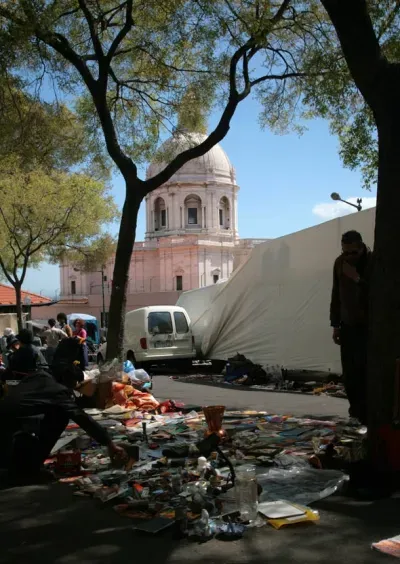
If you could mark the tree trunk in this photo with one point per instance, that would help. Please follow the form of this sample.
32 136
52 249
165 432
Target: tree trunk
18 302
126 240
384 330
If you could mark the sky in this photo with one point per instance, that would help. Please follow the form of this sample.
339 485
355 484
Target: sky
285 184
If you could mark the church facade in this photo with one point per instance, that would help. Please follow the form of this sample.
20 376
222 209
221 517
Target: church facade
191 237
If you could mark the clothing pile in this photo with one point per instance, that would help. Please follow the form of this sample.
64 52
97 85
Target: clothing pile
129 397
241 370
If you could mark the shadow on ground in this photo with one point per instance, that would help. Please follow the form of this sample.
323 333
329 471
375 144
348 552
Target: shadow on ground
49 525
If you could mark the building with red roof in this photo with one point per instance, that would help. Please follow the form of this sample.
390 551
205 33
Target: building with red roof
8 301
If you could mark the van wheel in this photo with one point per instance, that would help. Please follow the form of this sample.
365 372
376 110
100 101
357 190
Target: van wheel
130 355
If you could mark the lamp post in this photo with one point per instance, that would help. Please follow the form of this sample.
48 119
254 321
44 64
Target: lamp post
103 297
336 197
103 313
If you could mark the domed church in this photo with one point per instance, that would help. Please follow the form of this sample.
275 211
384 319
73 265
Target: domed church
191 238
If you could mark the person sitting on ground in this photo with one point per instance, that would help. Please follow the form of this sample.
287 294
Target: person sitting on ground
63 324
27 358
53 336
34 414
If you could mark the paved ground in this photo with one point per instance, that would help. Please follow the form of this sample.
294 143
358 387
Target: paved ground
48 525
273 402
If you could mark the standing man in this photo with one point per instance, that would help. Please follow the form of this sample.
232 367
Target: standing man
53 336
63 324
349 318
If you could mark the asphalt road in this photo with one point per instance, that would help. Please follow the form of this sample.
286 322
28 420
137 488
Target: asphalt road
237 397
47 525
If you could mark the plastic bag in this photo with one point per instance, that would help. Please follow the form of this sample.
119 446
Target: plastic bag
110 371
139 377
300 485
128 367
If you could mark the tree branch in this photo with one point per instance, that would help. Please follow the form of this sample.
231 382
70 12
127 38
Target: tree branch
98 49
123 32
279 14
360 47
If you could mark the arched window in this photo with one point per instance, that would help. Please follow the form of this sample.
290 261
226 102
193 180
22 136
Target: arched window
160 214
224 213
192 211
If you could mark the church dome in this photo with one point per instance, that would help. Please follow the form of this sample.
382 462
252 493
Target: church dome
214 166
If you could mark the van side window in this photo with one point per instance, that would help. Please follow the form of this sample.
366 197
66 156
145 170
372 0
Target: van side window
160 322
181 323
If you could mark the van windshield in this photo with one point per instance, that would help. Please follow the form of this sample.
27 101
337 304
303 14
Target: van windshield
160 323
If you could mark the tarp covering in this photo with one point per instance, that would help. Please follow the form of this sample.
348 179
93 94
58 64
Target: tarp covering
196 302
275 308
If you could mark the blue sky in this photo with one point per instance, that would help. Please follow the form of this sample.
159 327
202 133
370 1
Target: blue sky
285 183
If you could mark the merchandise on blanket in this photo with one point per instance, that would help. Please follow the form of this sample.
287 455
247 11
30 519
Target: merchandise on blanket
127 396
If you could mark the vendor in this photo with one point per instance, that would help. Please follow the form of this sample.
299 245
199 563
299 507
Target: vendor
34 414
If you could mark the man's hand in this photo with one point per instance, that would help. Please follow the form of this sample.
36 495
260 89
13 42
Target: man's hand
117 452
350 271
336 336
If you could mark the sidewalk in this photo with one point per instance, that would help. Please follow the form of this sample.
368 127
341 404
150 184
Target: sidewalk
48 525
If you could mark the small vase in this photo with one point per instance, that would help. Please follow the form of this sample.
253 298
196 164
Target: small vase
213 415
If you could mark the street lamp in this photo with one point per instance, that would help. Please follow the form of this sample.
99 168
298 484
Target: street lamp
336 197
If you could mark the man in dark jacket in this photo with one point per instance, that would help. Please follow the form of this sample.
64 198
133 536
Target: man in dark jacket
27 358
349 317
34 414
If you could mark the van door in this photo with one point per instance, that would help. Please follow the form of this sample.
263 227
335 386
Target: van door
161 334
183 334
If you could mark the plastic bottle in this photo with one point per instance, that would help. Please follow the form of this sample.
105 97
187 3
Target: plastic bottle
202 466
246 492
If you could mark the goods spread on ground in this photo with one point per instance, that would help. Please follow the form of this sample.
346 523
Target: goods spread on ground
178 473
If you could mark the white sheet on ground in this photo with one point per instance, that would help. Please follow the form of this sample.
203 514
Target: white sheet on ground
275 308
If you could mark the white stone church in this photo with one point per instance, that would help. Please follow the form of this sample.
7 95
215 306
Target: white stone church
191 238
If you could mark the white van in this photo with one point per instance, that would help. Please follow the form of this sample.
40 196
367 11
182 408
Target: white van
157 334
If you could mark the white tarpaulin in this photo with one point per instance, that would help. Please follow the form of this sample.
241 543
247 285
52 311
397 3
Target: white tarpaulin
275 308
196 302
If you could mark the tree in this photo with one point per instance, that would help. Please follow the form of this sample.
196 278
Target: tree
43 213
48 135
368 87
131 65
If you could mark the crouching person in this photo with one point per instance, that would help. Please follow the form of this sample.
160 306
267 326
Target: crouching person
33 415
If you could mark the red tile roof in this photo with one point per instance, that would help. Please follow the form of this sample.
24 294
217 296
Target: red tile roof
7 296
72 301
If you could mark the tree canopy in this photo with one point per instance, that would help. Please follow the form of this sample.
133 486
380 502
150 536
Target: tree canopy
43 213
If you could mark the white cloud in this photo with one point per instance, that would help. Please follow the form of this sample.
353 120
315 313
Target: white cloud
331 210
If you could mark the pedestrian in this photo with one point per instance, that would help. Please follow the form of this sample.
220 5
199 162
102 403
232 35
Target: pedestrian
53 336
12 345
8 332
63 324
349 318
79 329
27 358
34 414
80 332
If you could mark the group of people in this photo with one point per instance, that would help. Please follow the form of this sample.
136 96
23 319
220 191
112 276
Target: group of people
23 353
35 412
